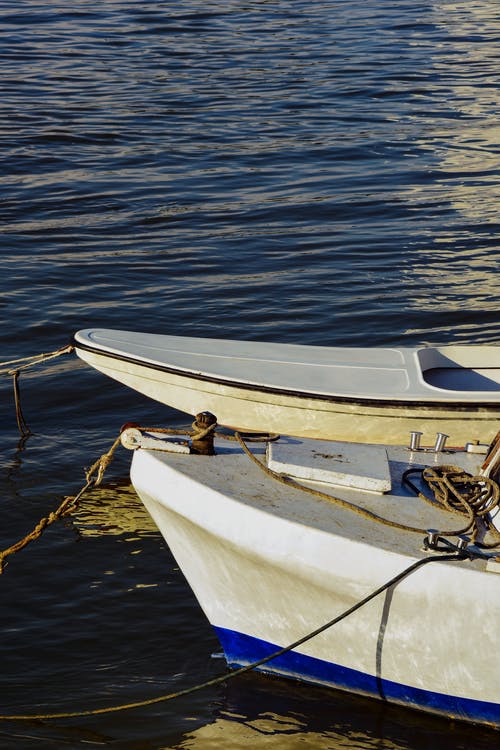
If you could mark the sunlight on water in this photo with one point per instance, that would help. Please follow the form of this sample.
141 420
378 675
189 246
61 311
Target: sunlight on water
320 173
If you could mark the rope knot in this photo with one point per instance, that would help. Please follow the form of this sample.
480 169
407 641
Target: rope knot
202 437
473 496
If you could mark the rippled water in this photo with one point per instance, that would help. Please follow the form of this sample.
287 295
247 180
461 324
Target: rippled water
313 172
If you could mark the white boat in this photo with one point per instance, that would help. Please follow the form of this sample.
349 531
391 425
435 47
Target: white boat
271 562
310 391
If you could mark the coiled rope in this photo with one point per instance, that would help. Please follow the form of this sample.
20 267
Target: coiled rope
236 673
459 492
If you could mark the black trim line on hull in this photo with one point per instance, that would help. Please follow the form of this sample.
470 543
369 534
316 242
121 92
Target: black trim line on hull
444 405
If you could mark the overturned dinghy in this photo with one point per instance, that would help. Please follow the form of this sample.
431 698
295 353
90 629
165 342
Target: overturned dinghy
357 394
276 539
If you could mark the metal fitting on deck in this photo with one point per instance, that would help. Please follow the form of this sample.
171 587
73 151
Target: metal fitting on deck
415 441
441 439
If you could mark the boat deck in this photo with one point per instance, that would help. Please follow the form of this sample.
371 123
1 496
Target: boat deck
237 486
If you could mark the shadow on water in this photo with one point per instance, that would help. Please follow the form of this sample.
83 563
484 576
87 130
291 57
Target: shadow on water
273 713
257 711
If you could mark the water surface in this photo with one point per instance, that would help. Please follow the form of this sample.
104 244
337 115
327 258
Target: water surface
322 172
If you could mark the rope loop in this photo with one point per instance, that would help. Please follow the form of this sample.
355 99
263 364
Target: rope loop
200 434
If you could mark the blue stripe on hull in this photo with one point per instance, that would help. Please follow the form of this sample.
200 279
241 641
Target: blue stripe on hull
241 650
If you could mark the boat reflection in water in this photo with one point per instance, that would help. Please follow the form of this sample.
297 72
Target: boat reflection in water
113 509
266 712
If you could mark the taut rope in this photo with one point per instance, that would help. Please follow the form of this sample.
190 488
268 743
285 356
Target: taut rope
94 477
34 360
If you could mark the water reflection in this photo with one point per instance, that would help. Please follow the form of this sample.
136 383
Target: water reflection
271 713
113 509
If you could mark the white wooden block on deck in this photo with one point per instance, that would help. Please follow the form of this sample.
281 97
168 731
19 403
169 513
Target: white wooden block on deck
364 467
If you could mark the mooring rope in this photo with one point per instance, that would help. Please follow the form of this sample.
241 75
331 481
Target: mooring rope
32 361
364 512
94 477
242 670
68 504
21 422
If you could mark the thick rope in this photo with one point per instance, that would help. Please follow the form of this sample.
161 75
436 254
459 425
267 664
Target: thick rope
364 512
459 492
67 505
200 433
456 489
34 360
236 673
94 477
99 467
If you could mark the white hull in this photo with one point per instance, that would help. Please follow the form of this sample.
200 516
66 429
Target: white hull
270 564
361 395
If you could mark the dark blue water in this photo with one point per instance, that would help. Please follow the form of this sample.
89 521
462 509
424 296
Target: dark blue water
312 172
